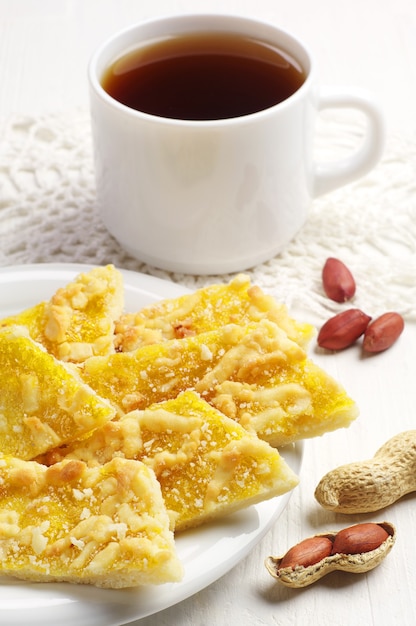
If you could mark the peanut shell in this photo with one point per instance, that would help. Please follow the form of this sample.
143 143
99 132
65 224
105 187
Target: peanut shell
360 563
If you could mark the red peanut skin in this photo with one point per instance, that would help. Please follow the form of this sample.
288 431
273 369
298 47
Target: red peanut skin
307 552
383 332
359 538
343 329
337 280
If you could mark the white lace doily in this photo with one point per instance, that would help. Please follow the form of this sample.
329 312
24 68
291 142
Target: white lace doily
48 214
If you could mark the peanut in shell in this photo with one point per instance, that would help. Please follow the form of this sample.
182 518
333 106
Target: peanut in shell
297 576
371 485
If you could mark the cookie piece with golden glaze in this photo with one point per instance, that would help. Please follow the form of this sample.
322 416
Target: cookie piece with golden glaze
105 526
43 402
79 320
208 308
254 374
206 463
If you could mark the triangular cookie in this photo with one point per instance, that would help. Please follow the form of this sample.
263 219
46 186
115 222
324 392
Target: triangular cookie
78 321
105 526
43 402
209 308
207 465
254 374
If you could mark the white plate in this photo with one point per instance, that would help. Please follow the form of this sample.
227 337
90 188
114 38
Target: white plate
207 553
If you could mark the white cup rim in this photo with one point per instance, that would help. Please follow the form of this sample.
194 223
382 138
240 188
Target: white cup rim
114 41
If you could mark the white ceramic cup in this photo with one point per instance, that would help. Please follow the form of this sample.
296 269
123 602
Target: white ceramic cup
220 196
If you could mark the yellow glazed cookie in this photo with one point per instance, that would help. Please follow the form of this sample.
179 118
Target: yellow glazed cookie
106 526
79 320
209 308
207 464
43 402
253 374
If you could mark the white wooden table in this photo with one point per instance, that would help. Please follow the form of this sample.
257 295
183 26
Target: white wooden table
44 49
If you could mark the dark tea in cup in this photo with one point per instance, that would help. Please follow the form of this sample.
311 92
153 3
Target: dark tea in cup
203 76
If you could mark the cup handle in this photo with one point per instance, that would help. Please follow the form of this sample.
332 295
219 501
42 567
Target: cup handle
329 176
